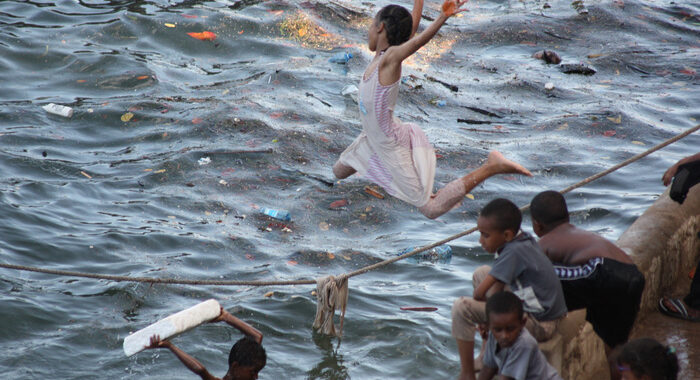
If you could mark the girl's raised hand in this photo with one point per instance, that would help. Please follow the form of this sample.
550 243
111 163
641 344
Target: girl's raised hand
452 7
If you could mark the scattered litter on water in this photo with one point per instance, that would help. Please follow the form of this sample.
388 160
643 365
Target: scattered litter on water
341 58
548 56
418 308
616 120
277 214
373 192
58 109
579 7
441 254
127 116
203 36
338 204
549 86
577 68
204 161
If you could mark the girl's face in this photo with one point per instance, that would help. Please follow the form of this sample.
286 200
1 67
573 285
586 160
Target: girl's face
372 35
627 373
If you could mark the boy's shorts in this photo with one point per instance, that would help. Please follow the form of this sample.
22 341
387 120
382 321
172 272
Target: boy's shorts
609 290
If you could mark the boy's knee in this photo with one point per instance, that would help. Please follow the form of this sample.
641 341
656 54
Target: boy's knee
480 274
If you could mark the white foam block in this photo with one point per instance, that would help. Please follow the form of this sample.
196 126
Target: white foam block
172 325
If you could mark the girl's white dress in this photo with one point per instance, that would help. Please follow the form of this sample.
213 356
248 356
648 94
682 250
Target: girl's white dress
397 156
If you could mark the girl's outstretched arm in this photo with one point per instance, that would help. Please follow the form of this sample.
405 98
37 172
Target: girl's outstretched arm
416 14
391 64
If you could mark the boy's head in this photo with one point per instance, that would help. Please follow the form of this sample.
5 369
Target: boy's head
498 223
398 24
505 316
246 359
548 210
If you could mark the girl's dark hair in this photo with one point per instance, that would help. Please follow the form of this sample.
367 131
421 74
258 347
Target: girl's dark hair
398 23
646 356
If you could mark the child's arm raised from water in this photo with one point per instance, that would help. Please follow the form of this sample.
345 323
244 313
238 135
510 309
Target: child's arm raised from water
240 325
193 364
416 14
391 64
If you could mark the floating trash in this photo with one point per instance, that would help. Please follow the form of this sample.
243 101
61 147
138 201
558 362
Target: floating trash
441 254
204 161
277 214
341 58
58 109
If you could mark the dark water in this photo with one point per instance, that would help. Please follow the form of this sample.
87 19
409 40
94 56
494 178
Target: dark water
98 194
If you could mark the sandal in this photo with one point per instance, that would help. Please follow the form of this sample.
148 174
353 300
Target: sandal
680 309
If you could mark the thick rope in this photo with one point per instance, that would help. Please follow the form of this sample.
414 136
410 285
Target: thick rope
351 274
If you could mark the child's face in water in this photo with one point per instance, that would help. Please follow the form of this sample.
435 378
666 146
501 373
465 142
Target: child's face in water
506 328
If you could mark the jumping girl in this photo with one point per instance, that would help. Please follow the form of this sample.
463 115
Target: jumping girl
395 155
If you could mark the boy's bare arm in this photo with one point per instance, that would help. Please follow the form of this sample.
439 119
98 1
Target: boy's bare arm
486 286
416 14
487 373
193 364
243 327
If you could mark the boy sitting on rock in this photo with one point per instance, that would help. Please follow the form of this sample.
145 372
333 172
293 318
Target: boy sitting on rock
511 352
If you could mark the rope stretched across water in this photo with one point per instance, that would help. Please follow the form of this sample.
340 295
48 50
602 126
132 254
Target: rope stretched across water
360 271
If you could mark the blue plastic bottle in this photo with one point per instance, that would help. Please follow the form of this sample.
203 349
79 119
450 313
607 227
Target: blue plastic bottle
342 58
277 214
441 254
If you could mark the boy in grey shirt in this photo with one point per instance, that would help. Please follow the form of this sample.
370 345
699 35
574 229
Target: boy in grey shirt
522 267
511 351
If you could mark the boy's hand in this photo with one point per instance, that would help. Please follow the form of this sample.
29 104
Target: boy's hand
220 317
157 343
452 7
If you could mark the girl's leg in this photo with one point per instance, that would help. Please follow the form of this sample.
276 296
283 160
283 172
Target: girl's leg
342 171
454 192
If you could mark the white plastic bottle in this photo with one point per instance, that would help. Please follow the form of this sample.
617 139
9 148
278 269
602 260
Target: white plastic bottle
58 109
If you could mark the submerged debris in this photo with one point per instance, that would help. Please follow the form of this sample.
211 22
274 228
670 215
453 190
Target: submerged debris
576 68
548 56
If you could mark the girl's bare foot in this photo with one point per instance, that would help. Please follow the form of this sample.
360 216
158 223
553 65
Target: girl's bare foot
501 165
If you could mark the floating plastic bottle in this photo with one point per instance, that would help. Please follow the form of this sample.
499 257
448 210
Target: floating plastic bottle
342 58
58 109
441 254
277 214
